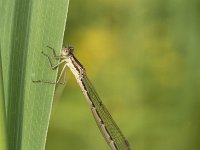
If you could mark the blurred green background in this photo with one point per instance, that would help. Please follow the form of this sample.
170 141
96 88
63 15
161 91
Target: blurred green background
143 58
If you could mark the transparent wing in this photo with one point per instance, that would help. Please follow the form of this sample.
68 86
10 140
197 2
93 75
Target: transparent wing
119 141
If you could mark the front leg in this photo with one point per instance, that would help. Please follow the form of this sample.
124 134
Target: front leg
53 67
54 53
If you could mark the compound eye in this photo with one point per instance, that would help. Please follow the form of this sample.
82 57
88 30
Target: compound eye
71 49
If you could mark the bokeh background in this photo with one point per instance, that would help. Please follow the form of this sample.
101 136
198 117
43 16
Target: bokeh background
143 57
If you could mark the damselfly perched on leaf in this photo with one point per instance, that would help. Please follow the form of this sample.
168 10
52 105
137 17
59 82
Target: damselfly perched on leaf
106 124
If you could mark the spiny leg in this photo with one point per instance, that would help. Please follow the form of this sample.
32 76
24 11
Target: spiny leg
54 53
42 81
57 82
61 74
52 67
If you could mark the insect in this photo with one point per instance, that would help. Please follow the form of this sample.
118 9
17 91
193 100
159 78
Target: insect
106 124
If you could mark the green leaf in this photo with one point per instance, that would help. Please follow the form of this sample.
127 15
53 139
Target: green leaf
27 28
3 141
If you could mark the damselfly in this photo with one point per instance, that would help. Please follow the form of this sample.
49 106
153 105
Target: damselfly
106 124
